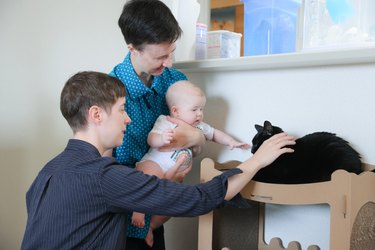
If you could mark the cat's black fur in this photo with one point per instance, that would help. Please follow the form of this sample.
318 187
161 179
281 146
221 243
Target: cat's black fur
316 156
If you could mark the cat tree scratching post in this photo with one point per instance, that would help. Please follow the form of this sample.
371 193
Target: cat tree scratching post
351 199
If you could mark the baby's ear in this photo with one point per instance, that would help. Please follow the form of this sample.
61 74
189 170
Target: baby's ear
174 111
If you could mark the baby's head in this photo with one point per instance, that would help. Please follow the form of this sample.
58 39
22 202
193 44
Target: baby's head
186 101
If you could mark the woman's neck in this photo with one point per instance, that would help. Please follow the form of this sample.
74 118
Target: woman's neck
143 76
146 79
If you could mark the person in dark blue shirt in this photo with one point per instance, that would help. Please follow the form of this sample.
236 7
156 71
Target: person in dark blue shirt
81 199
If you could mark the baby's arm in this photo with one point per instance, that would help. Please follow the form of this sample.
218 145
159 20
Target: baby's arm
156 140
185 136
225 139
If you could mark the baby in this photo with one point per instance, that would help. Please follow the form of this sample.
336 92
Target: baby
186 101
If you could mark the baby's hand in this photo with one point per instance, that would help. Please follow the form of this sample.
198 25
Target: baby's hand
167 136
237 144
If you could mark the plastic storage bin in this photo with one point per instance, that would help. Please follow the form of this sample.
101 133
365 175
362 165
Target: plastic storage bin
330 24
223 44
270 26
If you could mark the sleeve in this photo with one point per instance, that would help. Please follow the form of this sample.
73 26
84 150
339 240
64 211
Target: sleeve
207 130
161 124
130 190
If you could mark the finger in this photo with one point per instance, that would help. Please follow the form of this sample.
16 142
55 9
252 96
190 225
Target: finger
244 146
278 136
187 170
169 131
288 150
286 141
281 138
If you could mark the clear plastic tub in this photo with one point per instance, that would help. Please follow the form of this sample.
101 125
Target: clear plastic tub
331 24
223 44
270 26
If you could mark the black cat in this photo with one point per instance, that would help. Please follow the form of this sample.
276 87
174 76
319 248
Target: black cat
316 156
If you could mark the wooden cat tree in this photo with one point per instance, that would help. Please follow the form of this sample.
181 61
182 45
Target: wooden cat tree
351 199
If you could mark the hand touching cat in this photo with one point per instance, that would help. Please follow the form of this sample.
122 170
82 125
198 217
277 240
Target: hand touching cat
272 148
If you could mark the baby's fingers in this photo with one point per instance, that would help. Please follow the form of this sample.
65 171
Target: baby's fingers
245 146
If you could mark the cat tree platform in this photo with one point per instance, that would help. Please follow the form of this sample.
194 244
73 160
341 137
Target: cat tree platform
351 199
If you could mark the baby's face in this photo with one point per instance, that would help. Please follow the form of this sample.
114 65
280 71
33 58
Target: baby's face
190 109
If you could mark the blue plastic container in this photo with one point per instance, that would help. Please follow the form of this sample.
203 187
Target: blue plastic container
270 26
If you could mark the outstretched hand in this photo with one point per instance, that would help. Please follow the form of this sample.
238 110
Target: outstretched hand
272 148
237 144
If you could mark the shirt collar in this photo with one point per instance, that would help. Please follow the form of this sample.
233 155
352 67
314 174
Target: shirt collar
134 86
83 146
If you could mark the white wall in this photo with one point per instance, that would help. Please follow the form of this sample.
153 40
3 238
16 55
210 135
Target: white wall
43 43
337 99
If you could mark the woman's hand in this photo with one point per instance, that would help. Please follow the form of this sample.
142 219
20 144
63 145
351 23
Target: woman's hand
180 175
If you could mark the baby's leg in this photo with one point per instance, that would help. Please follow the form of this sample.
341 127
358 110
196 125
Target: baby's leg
150 168
150 238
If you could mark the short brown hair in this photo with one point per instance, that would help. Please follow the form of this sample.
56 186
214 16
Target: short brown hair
145 22
86 89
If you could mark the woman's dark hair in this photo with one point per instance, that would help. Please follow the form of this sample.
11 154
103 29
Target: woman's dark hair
148 22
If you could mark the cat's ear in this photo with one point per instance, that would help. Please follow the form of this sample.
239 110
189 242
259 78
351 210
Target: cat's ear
258 128
268 127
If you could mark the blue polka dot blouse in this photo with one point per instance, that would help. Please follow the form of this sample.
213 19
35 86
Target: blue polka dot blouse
143 106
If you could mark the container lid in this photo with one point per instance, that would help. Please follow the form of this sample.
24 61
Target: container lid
227 32
201 25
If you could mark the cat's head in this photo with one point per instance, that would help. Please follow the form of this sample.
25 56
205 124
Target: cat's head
263 133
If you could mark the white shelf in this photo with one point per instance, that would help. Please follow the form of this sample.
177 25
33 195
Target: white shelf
279 61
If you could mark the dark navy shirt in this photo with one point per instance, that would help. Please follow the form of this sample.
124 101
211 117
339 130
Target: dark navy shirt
80 200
